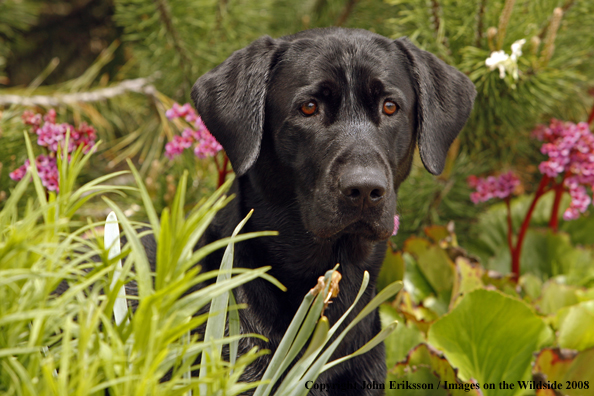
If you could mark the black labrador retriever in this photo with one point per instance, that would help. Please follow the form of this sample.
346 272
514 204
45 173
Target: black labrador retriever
320 128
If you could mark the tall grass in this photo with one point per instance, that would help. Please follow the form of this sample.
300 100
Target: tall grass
68 343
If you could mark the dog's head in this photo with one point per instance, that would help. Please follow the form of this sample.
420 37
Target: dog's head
336 112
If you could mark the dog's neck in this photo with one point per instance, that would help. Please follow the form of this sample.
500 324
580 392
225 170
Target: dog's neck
298 249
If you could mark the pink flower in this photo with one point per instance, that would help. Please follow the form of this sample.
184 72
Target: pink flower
19 172
492 187
52 135
396 224
186 112
205 145
47 169
30 118
570 151
177 146
50 116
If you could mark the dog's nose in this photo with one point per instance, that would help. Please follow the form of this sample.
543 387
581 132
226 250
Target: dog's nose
363 186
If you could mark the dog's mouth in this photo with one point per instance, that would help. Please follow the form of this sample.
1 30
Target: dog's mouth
368 230
371 229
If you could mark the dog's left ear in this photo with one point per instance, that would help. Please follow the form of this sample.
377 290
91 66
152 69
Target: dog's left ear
444 101
230 99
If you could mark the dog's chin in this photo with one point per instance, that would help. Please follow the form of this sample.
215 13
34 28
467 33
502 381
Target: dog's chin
364 229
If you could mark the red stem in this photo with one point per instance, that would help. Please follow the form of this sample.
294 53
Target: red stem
554 221
216 161
509 227
524 227
223 172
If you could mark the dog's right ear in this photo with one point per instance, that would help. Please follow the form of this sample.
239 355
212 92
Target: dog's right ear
231 97
444 100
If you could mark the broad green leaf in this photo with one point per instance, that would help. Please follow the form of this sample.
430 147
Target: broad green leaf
531 285
436 232
424 356
468 278
490 337
392 269
576 329
419 382
567 368
403 339
556 296
418 314
415 283
582 370
434 263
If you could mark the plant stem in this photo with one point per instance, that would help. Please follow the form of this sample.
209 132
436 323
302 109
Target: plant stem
559 190
223 171
524 227
184 57
480 21
504 21
346 12
510 229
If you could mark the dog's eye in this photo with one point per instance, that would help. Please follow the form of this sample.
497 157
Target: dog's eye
309 108
390 107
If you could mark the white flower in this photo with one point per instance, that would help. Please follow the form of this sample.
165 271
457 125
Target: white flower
504 62
498 59
516 49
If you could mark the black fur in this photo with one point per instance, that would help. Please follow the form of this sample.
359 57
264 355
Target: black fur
327 182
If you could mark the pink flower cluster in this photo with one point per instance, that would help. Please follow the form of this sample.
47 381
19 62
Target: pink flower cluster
52 135
492 187
570 149
47 168
205 145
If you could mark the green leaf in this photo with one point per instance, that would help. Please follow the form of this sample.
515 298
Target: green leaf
415 282
468 278
392 269
566 366
405 337
576 330
424 357
434 262
556 296
490 337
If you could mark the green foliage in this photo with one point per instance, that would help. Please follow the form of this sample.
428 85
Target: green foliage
554 69
67 343
562 366
544 254
464 324
575 329
430 367
424 199
176 38
15 17
478 339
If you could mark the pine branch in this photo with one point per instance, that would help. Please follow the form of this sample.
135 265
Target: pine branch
221 11
549 47
545 28
439 36
480 21
177 43
140 85
504 21
346 12
436 19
